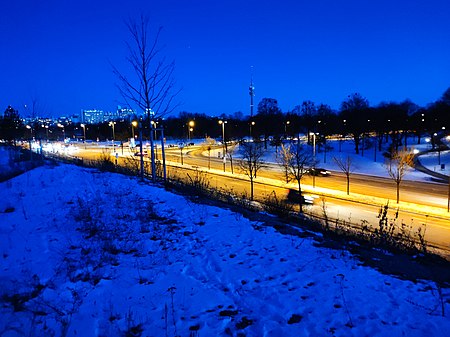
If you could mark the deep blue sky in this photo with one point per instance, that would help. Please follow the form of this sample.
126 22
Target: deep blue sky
59 52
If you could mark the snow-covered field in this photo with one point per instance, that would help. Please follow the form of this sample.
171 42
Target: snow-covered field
85 253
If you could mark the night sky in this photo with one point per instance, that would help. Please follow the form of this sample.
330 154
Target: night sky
59 53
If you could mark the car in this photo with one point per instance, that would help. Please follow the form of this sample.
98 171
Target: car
141 154
318 172
295 196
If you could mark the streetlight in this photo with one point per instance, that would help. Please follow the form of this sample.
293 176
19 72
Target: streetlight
190 128
223 135
133 125
114 136
252 123
155 124
285 127
223 143
314 156
31 131
84 132
314 144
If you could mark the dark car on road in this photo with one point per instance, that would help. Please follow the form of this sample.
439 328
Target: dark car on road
318 172
141 154
295 196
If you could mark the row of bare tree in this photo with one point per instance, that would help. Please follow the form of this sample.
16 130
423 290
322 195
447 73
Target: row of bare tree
297 161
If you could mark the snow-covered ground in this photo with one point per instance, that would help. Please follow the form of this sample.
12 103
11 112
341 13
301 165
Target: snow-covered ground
85 253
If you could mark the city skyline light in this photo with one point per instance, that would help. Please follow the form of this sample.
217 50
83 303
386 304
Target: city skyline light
61 53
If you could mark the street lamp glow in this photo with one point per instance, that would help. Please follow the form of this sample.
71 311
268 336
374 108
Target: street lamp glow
285 127
252 123
191 125
133 125
154 127
84 132
114 136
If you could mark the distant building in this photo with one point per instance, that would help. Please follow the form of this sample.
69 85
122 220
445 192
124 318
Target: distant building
125 113
94 116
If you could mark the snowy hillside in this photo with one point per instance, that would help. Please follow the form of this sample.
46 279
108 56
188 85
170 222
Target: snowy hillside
85 253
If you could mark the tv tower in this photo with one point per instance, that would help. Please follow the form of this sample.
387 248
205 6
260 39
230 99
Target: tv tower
251 92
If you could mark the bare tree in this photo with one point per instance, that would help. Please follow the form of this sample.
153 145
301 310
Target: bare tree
346 166
398 163
251 161
284 159
152 88
296 160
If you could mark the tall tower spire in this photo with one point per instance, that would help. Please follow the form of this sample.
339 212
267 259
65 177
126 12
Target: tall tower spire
251 90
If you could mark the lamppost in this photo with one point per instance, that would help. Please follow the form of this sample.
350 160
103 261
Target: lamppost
155 136
84 132
133 125
155 125
314 157
223 136
252 123
223 143
31 131
114 136
285 127
190 128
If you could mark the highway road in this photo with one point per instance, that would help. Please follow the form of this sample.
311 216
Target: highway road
416 197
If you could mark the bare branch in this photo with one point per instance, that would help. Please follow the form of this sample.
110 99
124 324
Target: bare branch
397 165
152 86
296 160
346 166
251 161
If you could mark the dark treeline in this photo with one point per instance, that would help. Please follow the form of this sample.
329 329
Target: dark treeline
355 119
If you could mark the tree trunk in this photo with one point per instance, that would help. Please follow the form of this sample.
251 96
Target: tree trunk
231 163
398 191
348 184
152 152
356 139
209 159
251 188
300 195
